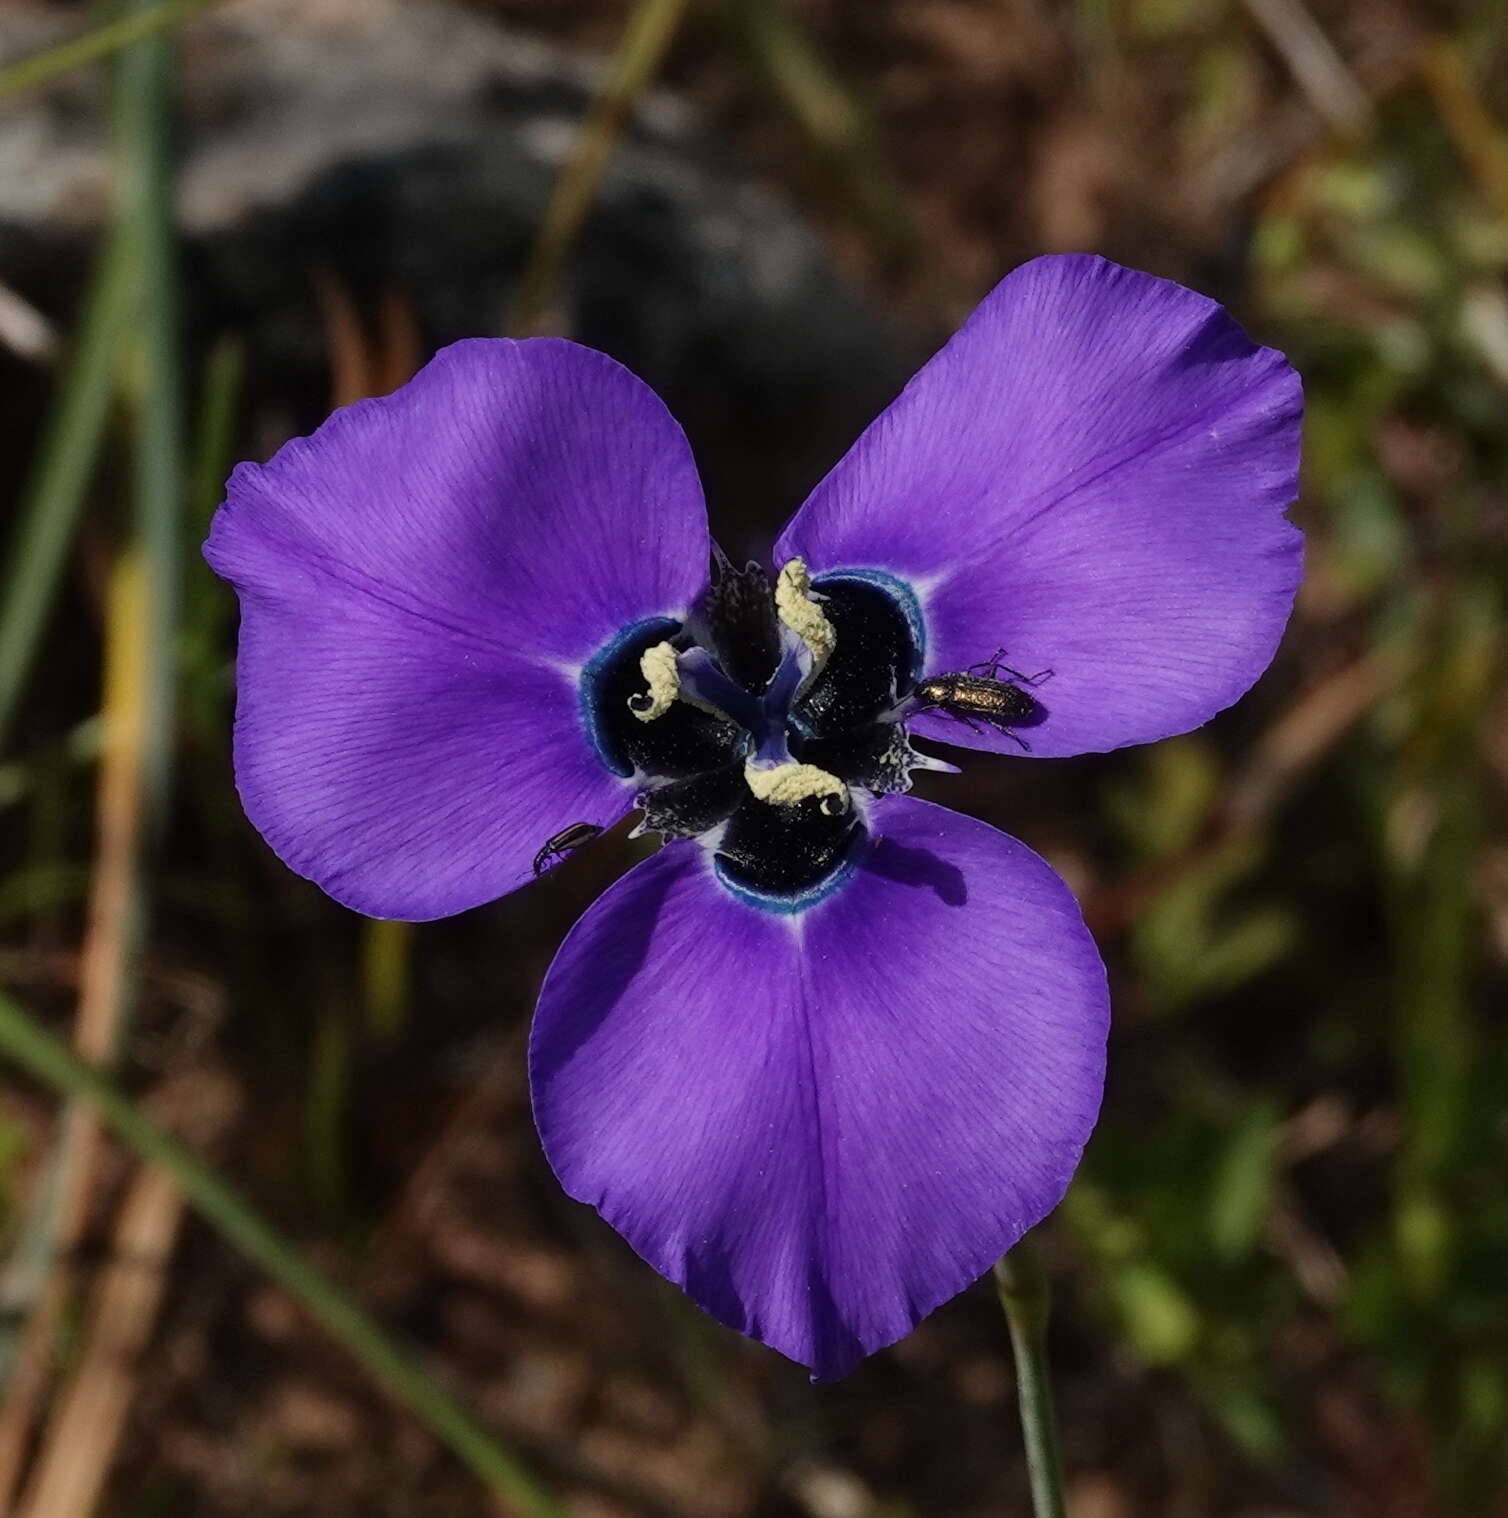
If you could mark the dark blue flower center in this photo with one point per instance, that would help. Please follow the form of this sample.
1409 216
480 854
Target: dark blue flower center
761 725
753 704
685 741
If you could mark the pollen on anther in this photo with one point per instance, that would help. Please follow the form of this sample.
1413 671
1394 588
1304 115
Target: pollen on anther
658 666
802 614
787 784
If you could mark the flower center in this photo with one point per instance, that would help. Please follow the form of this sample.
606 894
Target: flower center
762 725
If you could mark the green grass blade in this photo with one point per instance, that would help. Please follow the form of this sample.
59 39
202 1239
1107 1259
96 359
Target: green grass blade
65 461
26 1043
215 430
207 609
154 382
101 42
651 29
839 130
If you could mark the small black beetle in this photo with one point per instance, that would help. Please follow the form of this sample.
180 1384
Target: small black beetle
563 843
978 695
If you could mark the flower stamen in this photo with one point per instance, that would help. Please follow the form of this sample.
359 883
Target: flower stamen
803 614
663 676
790 783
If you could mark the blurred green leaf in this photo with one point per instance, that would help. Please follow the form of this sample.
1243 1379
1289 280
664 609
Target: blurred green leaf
1242 1188
1161 1322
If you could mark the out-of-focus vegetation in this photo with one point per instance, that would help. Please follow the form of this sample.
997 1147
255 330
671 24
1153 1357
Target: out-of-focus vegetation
1283 1271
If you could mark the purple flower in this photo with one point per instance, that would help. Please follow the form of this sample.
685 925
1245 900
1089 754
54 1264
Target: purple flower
825 1056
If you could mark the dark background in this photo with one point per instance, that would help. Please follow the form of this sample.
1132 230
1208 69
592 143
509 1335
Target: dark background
1280 1274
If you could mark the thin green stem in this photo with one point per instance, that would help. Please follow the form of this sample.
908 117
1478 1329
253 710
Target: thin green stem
28 1044
387 952
1025 1297
650 32
99 43
65 461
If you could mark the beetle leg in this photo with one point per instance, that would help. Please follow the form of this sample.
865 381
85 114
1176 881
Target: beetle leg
1010 733
993 667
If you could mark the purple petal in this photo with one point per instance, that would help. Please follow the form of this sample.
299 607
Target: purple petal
823 1125
421 581
1090 476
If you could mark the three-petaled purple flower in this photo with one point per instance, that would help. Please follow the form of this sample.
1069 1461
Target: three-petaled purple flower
826 1055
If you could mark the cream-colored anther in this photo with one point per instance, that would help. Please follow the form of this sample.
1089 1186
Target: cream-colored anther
663 676
786 784
803 615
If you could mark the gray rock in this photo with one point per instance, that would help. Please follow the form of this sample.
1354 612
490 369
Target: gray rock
413 146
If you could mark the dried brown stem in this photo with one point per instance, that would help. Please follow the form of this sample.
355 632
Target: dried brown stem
105 978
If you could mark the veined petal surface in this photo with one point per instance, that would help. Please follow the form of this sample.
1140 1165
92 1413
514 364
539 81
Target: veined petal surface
823 1125
1091 475
421 581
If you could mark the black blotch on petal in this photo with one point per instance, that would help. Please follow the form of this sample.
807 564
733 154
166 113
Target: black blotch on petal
685 740
784 850
873 664
876 757
741 627
687 808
